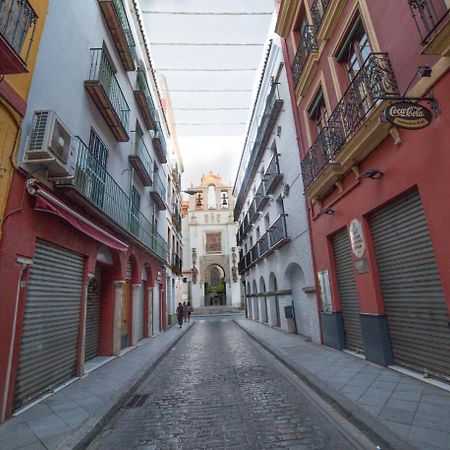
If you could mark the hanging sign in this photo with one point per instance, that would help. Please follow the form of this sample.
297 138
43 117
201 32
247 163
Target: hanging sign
357 238
408 115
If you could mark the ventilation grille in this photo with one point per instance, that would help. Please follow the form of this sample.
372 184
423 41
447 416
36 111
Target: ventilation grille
39 126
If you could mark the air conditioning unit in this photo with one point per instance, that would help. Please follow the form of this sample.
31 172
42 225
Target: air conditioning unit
49 145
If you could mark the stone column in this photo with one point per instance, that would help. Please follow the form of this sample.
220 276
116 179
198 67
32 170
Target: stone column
134 311
117 332
149 318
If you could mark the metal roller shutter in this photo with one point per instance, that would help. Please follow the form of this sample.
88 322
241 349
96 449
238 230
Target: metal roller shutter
156 328
140 313
411 286
93 315
49 344
347 291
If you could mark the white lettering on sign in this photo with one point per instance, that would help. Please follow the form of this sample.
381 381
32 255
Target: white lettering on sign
410 111
357 238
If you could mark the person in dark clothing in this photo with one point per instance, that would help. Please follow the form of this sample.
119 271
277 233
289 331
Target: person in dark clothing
180 314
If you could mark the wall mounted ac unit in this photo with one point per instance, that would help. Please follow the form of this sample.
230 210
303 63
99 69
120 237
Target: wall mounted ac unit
49 145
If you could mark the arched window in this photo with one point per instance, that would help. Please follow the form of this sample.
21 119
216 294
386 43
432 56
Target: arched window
211 197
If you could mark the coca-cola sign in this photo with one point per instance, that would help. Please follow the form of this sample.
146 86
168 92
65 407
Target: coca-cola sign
409 115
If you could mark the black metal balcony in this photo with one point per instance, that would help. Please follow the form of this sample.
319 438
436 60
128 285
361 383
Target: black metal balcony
263 244
318 10
176 216
17 27
278 233
431 17
248 260
246 223
272 176
176 263
252 211
261 197
308 45
374 82
254 252
270 116
241 266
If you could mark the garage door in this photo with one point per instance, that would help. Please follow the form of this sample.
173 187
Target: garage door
347 291
49 344
411 286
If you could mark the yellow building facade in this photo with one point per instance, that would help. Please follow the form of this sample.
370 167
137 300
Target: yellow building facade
21 27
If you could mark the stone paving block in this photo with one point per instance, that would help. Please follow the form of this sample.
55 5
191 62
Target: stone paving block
407 395
47 427
435 399
35 446
397 415
74 417
400 428
17 436
404 405
425 438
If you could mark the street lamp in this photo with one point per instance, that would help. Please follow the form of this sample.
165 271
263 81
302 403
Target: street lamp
190 191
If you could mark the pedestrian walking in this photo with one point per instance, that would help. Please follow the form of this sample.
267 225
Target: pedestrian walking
190 310
180 314
185 312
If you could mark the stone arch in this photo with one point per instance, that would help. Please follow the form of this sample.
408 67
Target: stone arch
215 277
294 280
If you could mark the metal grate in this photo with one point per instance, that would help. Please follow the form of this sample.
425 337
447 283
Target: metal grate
137 401
38 130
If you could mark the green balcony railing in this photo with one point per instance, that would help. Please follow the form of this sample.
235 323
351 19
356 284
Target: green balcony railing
16 19
102 71
158 187
142 85
98 186
141 150
122 15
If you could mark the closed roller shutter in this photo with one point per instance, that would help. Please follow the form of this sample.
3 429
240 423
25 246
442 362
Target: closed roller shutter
140 313
411 286
347 291
156 328
93 315
49 344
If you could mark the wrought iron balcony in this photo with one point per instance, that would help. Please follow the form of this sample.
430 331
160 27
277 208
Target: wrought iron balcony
144 100
307 46
97 191
254 252
158 192
106 93
270 116
176 216
261 197
272 176
241 266
252 212
432 21
119 26
263 244
318 10
248 260
246 223
159 143
17 27
372 85
176 263
278 233
141 160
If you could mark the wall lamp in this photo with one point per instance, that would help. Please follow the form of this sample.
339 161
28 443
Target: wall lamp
375 174
424 71
328 211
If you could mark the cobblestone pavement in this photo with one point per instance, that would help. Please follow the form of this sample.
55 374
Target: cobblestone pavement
218 389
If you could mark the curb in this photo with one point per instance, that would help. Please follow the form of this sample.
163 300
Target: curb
367 424
84 435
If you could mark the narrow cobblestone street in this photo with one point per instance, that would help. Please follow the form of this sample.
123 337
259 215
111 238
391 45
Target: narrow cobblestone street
218 389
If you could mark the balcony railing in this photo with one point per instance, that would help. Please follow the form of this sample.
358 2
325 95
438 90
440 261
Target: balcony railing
144 99
159 143
254 252
175 262
141 160
272 176
374 82
308 44
252 212
119 26
261 197
93 181
278 233
176 216
158 192
106 93
263 244
17 18
429 17
270 116
318 10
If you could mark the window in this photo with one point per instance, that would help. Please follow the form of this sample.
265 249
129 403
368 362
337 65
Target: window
98 148
211 197
96 170
318 113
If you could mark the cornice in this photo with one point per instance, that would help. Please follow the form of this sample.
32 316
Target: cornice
286 17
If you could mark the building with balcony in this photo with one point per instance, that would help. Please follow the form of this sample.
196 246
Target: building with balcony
378 221
21 25
274 248
84 251
210 256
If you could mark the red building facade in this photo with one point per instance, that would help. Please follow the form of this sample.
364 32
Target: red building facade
377 194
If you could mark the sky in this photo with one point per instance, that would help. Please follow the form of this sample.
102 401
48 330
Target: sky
209 53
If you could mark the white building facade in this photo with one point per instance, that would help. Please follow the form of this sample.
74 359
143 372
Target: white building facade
273 237
210 250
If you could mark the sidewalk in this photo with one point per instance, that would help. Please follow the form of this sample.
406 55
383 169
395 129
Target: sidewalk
74 415
400 412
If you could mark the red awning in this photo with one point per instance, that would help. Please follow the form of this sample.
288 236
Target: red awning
47 203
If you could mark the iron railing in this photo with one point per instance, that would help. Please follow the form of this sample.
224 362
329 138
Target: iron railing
176 262
141 150
102 72
263 244
278 231
374 82
260 197
253 214
308 44
96 184
16 19
318 10
428 15
271 173
158 134
176 214
254 253
123 19
246 222
142 85
158 186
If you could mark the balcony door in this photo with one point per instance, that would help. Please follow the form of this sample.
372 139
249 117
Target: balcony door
96 169
135 201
